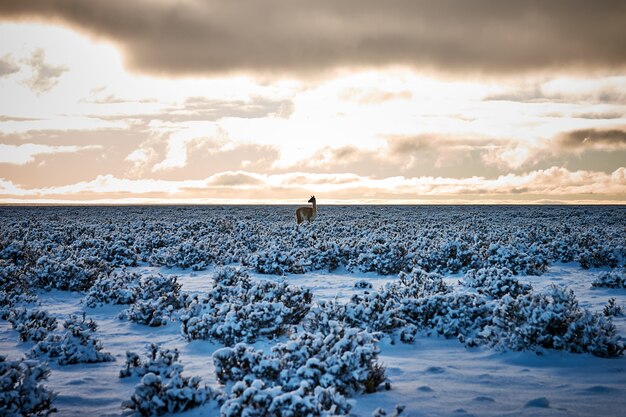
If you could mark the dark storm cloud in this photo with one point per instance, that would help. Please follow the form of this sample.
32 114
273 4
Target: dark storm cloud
582 139
492 36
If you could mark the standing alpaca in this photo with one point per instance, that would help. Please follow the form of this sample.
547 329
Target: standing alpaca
306 213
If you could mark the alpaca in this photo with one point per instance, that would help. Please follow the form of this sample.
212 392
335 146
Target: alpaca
306 213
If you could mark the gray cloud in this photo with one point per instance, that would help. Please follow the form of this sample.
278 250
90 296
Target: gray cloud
587 139
203 109
598 116
45 76
490 36
8 66
535 94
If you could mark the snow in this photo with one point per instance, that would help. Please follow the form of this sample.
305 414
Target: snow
430 375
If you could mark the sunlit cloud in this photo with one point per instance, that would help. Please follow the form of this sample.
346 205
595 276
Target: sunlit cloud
553 182
26 153
165 101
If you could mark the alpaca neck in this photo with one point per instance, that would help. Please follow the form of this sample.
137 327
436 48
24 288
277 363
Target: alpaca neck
314 208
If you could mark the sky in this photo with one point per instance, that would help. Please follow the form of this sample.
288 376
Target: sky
272 101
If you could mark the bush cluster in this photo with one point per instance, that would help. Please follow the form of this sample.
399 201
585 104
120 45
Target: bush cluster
22 389
308 375
163 389
32 324
156 298
615 278
551 319
117 287
238 309
64 248
74 345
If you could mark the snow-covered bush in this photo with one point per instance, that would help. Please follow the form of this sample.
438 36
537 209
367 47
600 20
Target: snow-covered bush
22 392
521 262
459 315
551 319
597 257
612 309
118 287
74 345
163 388
65 271
344 359
159 362
380 412
615 278
252 398
14 288
374 312
31 324
383 257
363 284
237 309
418 283
495 282
156 395
187 254
157 297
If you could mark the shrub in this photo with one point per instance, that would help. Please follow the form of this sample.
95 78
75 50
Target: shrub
74 345
611 279
21 388
236 309
495 282
31 324
553 320
159 362
156 299
15 288
343 359
163 388
118 287
612 309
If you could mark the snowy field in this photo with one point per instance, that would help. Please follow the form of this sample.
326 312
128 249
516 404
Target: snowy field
468 310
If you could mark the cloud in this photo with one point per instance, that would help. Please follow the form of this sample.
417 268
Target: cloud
554 183
4 118
604 90
587 139
598 116
8 66
26 153
45 76
278 36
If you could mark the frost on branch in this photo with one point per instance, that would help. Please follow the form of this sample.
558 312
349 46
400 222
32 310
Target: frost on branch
21 388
